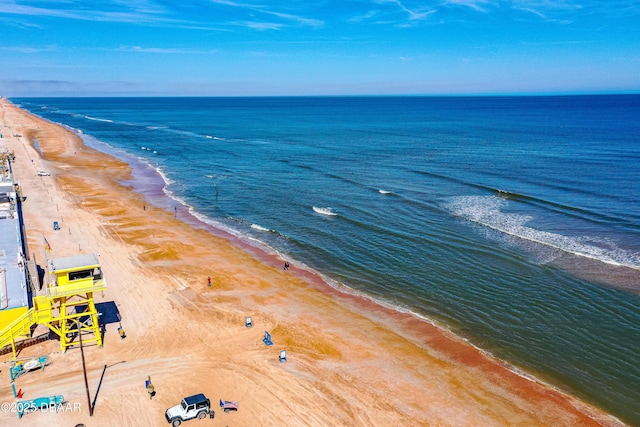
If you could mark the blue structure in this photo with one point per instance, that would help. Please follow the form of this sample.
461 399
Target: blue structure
267 338
18 369
50 402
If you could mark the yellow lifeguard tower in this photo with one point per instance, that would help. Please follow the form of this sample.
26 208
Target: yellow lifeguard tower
76 278
68 308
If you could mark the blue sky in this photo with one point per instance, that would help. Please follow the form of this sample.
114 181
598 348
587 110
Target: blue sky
325 47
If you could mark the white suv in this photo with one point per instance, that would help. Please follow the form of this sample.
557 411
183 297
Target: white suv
196 406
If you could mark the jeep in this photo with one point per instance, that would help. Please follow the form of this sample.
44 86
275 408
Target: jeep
196 406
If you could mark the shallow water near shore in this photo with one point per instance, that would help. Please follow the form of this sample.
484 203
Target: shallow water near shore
513 221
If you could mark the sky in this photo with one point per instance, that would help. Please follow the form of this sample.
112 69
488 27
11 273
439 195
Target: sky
323 47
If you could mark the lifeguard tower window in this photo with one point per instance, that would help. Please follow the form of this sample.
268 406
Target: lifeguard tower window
82 274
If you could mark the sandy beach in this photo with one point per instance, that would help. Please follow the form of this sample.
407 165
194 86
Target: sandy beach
350 362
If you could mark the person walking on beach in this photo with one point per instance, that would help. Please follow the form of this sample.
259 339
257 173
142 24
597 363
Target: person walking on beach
209 281
286 265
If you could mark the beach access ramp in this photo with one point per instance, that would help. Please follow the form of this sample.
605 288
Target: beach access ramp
21 327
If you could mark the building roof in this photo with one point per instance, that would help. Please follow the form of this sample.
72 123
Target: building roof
13 282
73 262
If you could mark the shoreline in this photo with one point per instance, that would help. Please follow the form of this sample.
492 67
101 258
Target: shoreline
415 341
157 191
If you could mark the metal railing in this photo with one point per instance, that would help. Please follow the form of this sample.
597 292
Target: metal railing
77 287
18 327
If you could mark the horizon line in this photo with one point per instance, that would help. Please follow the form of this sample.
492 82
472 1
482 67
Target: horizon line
398 95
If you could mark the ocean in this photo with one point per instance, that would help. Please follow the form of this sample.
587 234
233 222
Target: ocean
512 221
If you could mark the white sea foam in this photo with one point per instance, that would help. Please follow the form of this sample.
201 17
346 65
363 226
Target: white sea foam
257 243
70 128
487 211
167 181
324 211
98 120
259 227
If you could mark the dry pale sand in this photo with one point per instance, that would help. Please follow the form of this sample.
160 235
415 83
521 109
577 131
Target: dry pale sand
351 362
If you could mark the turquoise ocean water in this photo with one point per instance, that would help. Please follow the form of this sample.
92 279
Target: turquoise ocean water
514 221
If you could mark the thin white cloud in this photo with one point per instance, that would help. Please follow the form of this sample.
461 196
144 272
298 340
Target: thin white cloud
164 50
151 13
547 5
297 19
230 3
567 11
416 14
256 10
260 26
393 13
557 43
28 49
11 8
477 5
227 15
532 11
106 11
365 16
50 87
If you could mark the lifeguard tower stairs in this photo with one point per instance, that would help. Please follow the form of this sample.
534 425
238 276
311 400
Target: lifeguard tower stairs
68 308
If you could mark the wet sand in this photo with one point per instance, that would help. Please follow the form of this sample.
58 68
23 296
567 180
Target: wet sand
350 361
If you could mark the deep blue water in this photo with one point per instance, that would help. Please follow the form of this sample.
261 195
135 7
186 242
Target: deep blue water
514 221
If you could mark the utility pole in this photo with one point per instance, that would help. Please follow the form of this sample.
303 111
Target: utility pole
84 370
